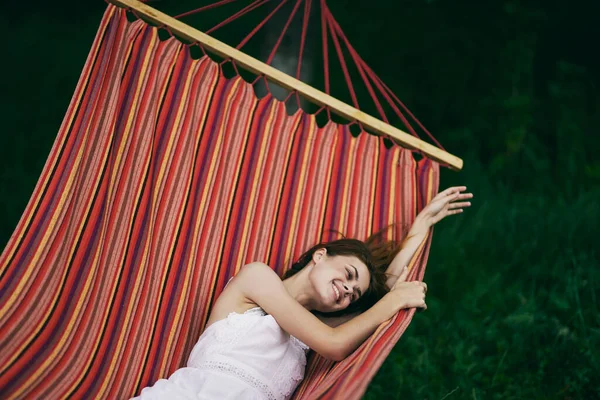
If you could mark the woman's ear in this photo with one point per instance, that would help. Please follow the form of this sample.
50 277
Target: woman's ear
319 254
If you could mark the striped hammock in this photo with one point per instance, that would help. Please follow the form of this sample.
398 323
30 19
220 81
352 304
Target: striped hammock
164 180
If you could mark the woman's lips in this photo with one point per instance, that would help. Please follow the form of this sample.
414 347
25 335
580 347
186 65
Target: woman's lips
336 292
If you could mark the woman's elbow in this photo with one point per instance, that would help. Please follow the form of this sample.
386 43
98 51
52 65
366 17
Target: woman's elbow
334 346
336 352
339 356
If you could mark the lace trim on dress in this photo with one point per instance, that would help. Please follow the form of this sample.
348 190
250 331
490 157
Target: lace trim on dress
299 343
245 376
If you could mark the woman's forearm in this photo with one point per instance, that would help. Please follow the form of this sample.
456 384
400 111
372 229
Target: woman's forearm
410 245
351 334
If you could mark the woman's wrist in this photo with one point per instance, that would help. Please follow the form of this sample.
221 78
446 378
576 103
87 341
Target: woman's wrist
392 304
421 225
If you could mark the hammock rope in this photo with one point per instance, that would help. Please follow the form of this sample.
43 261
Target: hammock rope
384 89
342 60
307 5
329 28
245 10
260 25
204 8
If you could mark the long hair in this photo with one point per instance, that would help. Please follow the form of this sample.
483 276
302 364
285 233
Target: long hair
375 252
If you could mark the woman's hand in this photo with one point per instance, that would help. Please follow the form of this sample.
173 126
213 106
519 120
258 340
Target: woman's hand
408 294
445 203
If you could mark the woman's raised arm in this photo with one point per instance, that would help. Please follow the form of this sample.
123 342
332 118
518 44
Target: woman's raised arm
261 285
438 208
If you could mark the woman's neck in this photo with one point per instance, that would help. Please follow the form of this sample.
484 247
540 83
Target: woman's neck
298 286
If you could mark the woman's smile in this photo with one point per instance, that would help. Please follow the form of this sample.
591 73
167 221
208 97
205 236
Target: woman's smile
336 292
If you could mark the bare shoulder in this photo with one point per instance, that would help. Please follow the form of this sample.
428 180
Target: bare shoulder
257 272
234 298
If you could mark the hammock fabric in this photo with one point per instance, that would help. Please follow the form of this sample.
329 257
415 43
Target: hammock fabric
164 180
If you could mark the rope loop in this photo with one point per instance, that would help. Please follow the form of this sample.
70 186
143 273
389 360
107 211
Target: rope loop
267 84
134 13
290 94
256 79
357 123
224 62
298 99
235 68
319 110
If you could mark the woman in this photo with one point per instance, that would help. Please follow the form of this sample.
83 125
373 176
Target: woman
255 341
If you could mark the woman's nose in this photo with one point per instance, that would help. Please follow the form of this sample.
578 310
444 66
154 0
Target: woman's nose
346 288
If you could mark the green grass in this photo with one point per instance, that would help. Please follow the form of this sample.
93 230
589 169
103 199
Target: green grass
512 304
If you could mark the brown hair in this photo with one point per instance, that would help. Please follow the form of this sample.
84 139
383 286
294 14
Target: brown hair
375 253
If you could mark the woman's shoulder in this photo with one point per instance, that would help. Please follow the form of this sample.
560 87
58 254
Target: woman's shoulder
257 268
233 298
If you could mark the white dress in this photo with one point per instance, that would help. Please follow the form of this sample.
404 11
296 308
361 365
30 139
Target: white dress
244 356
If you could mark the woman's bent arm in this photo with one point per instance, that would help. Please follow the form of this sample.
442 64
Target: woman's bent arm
260 284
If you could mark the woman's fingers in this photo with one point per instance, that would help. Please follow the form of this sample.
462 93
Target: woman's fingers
424 306
463 196
452 197
459 205
451 190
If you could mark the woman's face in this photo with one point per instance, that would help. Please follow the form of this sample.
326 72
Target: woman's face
337 280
